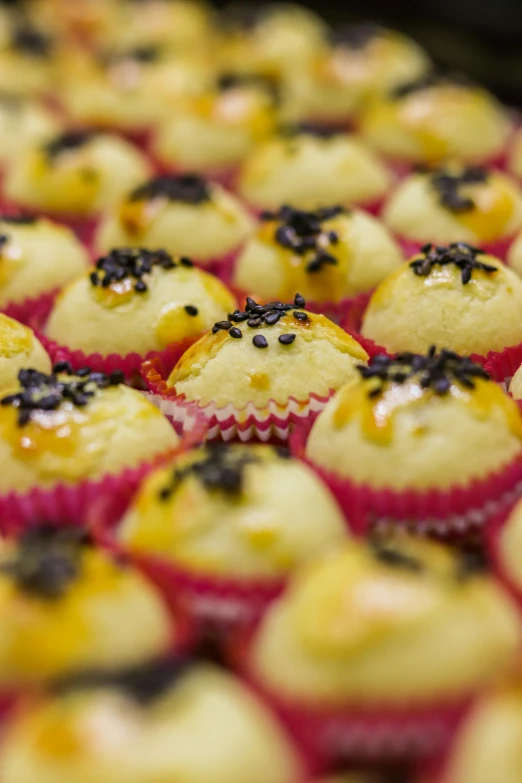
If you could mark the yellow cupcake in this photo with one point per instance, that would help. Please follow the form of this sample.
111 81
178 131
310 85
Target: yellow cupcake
274 40
310 169
37 256
136 301
436 119
455 203
264 354
393 622
363 61
18 348
417 422
453 296
23 123
509 546
328 255
515 386
67 606
67 428
89 20
226 510
515 155
185 215
217 130
28 58
77 173
489 740
183 25
130 88
164 724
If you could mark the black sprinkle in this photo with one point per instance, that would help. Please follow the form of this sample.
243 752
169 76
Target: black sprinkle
460 254
260 341
187 188
191 310
287 339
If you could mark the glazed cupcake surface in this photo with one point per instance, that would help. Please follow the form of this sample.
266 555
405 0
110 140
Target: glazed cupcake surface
19 348
328 254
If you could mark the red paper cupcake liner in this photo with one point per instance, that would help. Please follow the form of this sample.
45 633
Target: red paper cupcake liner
130 364
458 512
270 424
352 321
361 733
26 311
226 177
502 365
498 248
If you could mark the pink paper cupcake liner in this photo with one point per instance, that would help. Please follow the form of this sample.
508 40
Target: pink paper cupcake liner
458 512
26 311
499 248
362 733
502 365
352 321
270 424
130 364
74 503
219 603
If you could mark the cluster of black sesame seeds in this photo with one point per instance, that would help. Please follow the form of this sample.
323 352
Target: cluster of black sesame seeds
448 186
144 683
356 36
187 188
47 560
124 263
256 315
386 552
44 393
222 469
302 233
434 371
67 142
29 40
431 79
19 220
234 80
139 54
463 256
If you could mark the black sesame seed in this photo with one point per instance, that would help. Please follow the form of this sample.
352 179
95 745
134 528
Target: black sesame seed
186 262
235 332
83 372
191 310
186 188
254 322
141 287
301 316
287 339
299 300
223 325
260 341
272 318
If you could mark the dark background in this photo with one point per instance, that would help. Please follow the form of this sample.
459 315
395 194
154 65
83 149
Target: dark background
482 38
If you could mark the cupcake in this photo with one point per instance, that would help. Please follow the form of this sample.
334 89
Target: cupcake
329 255
456 203
182 25
505 546
28 59
515 384
310 168
184 214
362 62
214 132
435 119
76 175
514 163
87 21
67 606
489 740
37 257
23 123
275 39
374 650
129 89
135 304
250 375
429 442
149 723
18 348
219 532
67 439
480 299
